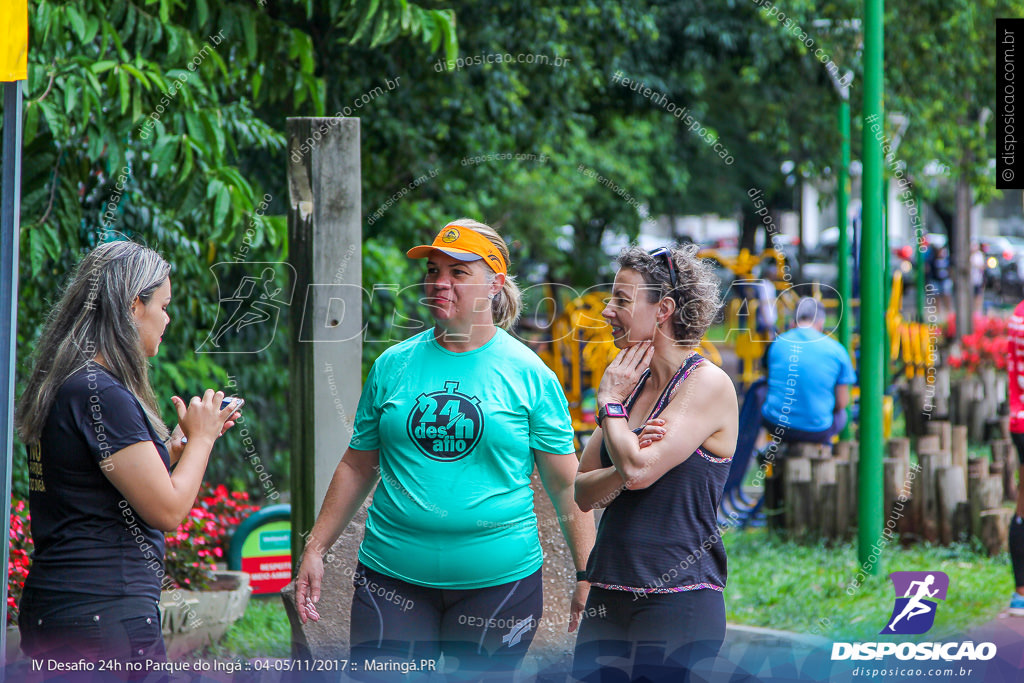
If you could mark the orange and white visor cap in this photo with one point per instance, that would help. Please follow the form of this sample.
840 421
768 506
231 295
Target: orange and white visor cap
463 244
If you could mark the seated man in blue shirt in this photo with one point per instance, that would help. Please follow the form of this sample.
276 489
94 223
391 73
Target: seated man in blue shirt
809 378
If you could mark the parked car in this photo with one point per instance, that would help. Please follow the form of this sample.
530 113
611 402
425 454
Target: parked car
1003 268
1009 278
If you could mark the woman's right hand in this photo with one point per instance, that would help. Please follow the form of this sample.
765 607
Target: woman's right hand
307 585
202 417
623 373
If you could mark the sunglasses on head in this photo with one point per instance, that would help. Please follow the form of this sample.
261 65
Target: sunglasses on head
667 254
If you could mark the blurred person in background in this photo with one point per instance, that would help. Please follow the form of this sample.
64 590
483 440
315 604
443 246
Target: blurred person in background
809 378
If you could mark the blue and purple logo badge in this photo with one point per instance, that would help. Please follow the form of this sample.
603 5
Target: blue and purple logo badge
916 596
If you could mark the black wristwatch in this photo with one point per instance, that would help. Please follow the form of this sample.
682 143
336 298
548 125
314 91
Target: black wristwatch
611 410
581 575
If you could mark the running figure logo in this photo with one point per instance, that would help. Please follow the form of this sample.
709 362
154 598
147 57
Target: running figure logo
916 592
247 319
446 424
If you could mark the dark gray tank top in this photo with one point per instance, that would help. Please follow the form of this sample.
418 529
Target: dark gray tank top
664 538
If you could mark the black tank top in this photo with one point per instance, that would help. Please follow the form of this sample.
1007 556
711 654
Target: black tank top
664 538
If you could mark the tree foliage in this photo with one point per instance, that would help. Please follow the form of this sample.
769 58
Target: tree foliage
144 119
164 120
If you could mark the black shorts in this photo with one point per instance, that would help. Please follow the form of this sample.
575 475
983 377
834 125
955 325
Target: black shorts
1018 441
484 633
66 627
660 637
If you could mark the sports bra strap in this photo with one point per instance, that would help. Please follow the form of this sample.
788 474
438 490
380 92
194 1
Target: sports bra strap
637 389
681 374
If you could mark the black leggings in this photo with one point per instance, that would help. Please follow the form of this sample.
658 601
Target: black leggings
482 632
66 627
663 636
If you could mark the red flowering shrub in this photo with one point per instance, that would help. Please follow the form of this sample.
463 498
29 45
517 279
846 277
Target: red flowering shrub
987 346
202 539
18 560
192 549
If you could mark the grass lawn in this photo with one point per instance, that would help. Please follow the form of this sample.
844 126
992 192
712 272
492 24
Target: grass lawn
773 584
263 631
782 585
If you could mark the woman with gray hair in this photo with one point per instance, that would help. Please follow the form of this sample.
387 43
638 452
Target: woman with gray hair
101 486
657 463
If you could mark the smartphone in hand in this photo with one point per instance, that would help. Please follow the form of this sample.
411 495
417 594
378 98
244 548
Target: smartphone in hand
228 400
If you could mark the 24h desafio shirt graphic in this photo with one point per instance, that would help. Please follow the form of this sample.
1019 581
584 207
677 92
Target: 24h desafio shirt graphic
456 434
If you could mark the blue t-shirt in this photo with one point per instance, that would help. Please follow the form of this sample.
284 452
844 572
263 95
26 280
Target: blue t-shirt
804 367
455 434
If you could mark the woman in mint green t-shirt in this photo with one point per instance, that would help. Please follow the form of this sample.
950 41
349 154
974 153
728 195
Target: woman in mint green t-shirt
451 423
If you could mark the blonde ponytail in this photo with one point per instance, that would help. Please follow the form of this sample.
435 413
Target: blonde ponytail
508 303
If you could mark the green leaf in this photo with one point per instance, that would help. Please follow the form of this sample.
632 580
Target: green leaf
383 25
136 105
249 31
442 30
194 126
163 151
92 27
36 251
406 15
100 67
130 17
366 20
202 12
50 238
189 160
221 206
70 97
31 121
257 81
124 89
76 21
451 39
139 76
213 133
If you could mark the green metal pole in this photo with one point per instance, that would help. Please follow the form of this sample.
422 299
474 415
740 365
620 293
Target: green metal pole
886 284
842 201
919 263
872 306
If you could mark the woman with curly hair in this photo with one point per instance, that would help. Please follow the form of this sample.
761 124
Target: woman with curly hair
667 428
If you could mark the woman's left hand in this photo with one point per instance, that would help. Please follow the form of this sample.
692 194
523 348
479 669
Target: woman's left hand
624 372
654 430
178 440
579 602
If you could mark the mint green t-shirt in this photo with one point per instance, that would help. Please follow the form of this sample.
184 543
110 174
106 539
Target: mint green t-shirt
454 507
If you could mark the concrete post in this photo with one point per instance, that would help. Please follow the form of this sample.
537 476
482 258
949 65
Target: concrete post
324 248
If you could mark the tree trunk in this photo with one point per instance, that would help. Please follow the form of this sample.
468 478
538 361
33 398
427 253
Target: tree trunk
961 257
960 253
748 230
